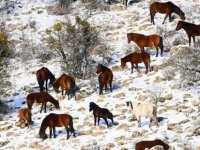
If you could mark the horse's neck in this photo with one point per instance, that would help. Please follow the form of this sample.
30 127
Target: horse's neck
127 58
177 10
43 127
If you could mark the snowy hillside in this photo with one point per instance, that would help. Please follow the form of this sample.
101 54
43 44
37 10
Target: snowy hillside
178 107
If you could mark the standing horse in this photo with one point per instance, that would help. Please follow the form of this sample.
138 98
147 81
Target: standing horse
100 113
135 58
43 75
65 82
25 116
56 120
142 145
105 77
165 8
42 97
146 41
191 29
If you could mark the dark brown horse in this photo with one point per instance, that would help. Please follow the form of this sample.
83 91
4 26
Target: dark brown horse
105 77
165 8
56 120
25 116
142 145
65 82
100 113
146 41
135 58
42 97
43 75
191 29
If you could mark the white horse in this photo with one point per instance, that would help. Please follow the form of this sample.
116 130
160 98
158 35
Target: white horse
147 110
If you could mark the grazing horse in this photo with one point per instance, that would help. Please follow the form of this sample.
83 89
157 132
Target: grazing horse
43 75
165 8
146 41
191 29
42 97
142 145
147 110
135 58
65 82
100 113
25 116
56 120
105 77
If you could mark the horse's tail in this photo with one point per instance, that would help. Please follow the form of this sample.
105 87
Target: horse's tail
71 125
161 45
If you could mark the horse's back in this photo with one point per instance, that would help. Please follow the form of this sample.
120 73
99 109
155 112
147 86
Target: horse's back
68 82
59 119
160 7
106 76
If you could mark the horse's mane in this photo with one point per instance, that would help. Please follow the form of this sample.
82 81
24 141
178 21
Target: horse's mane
176 9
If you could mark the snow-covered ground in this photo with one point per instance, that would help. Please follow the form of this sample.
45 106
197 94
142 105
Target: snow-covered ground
179 107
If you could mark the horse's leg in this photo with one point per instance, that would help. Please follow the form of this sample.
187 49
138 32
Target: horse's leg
46 85
100 88
95 120
165 18
106 87
54 132
137 67
156 51
50 131
132 66
106 122
146 65
193 39
98 120
110 86
169 17
189 40
45 107
41 108
67 129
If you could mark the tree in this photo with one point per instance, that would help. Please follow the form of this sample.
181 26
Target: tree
186 62
73 43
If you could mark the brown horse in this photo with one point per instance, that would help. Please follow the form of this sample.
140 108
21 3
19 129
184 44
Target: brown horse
42 97
105 77
56 120
165 8
142 145
65 82
146 41
135 58
25 116
100 113
43 75
191 29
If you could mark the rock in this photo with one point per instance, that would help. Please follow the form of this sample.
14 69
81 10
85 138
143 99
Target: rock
134 89
95 134
158 79
35 145
122 126
161 99
168 97
5 127
119 95
161 111
185 96
197 131
195 103
142 97
118 7
3 143
109 145
136 134
123 117
81 109
85 132
175 49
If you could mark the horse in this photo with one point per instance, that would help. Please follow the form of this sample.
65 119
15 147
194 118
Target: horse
165 8
65 82
25 116
135 58
41 97
146 41
142 145
100 113
191 29
43 75
147 110
56 120
105 77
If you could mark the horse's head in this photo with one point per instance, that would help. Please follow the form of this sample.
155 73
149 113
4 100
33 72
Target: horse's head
129 37
179 25
52 79
92 106
56 87
182 15
43 136
123 63
99 68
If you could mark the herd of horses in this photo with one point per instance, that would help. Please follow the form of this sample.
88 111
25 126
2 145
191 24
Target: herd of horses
67 83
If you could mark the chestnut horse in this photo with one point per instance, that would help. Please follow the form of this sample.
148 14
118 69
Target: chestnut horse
142 145
56 120
100 113
135 58
105 77
146 41
191 29
25 116
65 82
43 75
42 97
165 8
